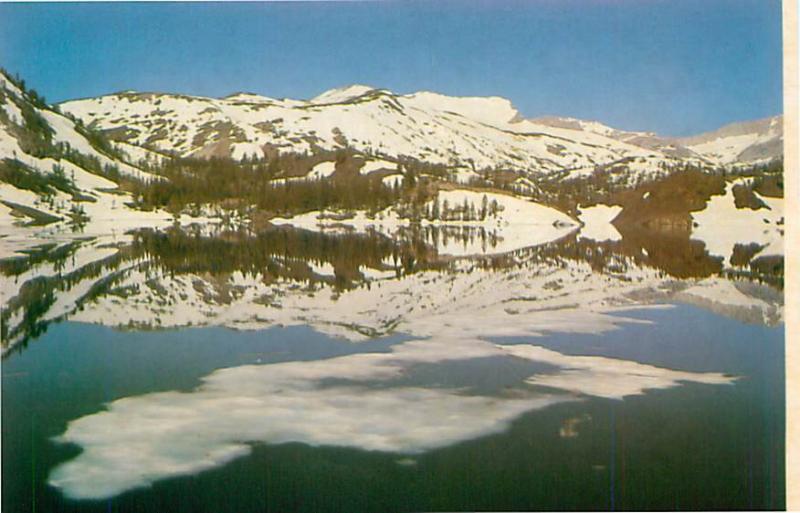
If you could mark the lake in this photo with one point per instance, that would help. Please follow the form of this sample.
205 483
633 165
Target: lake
298 371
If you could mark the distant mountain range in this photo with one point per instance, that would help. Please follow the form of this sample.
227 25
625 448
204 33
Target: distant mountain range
470 132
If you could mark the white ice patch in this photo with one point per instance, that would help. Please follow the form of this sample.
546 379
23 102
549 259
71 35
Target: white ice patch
139 440
606 377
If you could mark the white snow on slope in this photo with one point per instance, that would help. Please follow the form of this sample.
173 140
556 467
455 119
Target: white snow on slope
65 132
721 225
722 291
513 210
108 210
724 146
342 94
394 180
136 154
427 126
597 222
490 110
322 170
371 166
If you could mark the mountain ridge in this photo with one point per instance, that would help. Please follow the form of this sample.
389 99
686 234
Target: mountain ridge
539 118
470 132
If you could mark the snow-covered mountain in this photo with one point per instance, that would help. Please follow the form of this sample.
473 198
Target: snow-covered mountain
56 179
66 216
476 132
745 143
750 141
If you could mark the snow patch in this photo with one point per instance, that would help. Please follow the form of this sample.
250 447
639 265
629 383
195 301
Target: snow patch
721 225
597 222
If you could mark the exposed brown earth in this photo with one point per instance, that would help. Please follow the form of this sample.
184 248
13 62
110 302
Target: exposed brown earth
667 205
745 198
744 253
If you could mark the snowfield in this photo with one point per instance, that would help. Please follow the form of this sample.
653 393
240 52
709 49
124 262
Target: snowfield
107 211
597 222
721 225
519 223
461 131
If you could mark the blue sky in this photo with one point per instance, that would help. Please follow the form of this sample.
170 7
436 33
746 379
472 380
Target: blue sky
672 66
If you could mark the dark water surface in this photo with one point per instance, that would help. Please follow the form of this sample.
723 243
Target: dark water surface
693 446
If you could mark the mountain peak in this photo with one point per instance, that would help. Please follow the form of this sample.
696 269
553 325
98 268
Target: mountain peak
344 94
247 97
491 110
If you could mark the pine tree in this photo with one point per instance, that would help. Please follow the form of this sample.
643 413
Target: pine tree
409 179
435 211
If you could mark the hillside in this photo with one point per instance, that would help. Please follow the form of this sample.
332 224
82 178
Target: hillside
748 142
59 178
360 157
471 133
738 144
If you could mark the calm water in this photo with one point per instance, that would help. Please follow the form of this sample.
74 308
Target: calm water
445 399
693 446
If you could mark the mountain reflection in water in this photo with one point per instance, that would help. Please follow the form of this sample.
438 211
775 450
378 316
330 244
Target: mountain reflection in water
481 339
58 281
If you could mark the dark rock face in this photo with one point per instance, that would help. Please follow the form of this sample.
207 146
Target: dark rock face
667 204
745 198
